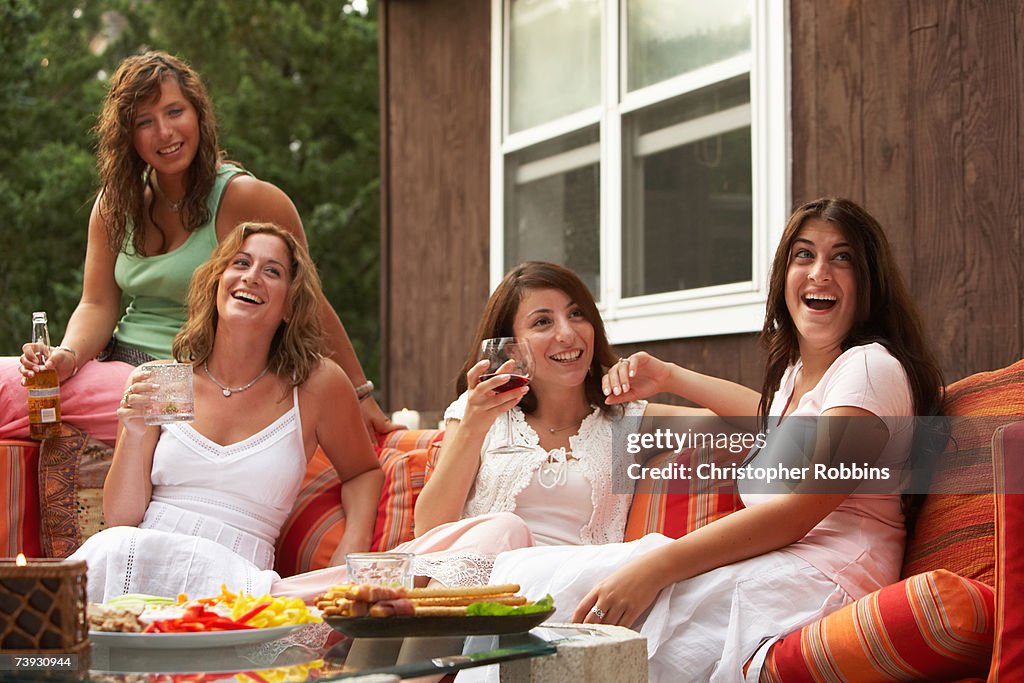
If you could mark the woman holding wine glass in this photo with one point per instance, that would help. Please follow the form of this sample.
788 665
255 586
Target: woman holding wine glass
521 465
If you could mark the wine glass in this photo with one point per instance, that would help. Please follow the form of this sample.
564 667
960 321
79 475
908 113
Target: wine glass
497 352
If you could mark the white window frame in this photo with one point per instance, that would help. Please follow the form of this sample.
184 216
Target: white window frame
722 309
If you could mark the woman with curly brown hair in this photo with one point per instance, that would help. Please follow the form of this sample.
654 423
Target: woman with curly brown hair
167 197
192 506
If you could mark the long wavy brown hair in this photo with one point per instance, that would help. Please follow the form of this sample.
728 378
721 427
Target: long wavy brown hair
298 344
500 313
123 174
886 313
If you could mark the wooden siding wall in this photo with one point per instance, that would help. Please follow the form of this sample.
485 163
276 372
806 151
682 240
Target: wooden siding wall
435 61
914 108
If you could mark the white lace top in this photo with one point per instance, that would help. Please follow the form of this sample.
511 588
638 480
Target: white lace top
502 479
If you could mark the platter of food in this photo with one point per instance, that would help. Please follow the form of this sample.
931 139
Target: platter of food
182 641
361 611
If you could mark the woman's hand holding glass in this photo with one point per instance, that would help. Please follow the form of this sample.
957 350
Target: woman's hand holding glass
499 381
635 377
137 397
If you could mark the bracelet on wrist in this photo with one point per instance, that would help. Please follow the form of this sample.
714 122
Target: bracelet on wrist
74 356
364 390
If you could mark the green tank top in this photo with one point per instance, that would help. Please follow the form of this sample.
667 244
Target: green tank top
156 287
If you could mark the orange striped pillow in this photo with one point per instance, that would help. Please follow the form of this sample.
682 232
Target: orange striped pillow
935 626
316 524
1008 650
404 475
955 530
19 482
675 507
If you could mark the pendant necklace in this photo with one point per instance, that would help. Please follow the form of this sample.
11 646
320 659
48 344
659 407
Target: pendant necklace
175 206
226 390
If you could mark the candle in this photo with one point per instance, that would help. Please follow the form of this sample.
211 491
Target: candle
42 606
409 418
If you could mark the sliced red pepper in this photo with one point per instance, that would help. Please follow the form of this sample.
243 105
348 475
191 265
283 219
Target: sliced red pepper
253 612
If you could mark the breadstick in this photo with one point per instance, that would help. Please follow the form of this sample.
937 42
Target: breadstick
504 599
440 611
463 591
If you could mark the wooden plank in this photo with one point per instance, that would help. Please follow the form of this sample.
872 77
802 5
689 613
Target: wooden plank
439 111
840 161
991 179
803 103
383 68
937 199
885 56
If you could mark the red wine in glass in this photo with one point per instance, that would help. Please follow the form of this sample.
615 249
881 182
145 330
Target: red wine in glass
514 382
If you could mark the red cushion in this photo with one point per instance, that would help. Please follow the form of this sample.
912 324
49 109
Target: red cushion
19 485
1008 457
935 627
676 507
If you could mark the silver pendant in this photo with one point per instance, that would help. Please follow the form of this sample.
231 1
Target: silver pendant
226 392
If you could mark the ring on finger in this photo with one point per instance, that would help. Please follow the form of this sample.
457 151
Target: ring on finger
124 399
598 612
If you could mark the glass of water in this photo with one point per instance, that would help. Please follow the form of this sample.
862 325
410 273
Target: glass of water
174 400
380 569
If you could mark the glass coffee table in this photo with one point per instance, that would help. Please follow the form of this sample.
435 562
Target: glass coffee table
286 661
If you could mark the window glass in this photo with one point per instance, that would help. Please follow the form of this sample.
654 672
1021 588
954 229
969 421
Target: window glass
551 205
554 60
666 38
687 210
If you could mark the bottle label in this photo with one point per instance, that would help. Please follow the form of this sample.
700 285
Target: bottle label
48 415
48 392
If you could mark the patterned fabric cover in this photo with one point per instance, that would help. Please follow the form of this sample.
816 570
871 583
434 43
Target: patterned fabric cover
931 627
1008 650
674 507
19 505
955 530
72 468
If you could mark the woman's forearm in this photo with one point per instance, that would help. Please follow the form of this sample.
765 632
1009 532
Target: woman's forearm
128 488
721 396
444 495
359 498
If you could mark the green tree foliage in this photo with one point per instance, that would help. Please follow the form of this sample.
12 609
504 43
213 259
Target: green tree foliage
295 89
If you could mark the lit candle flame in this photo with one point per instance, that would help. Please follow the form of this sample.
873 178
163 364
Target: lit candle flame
20 561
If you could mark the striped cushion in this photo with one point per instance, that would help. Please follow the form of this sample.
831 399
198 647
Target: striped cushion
316 524
954 530
1008 649
935 626
675 507
19 482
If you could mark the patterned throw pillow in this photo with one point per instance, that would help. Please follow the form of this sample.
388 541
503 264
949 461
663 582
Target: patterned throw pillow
1008 649
72 469
677 507
931 627
317 521
954 530
19 506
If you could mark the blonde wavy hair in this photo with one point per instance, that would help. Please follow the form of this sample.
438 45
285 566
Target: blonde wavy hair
123 174
298 345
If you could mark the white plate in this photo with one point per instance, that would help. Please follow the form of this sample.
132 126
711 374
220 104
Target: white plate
181 641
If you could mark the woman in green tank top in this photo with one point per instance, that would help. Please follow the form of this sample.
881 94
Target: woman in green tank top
166 199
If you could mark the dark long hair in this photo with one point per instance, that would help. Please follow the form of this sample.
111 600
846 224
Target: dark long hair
500 313
123 173
885 311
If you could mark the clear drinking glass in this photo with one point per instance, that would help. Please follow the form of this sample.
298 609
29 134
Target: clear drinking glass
497 352
380 569
174 400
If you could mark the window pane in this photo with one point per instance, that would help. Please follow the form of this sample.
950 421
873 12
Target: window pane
687 216
665 38
554 60
551 205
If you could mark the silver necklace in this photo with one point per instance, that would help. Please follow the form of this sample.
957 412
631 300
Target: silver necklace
175 206
226 390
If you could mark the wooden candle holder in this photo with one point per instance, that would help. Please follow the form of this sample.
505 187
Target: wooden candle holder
43 607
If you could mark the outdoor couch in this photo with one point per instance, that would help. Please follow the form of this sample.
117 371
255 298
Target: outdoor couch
949 619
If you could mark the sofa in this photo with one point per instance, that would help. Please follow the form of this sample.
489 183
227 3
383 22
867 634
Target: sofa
948 619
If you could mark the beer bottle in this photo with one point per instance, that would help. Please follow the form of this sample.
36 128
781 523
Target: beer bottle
43 388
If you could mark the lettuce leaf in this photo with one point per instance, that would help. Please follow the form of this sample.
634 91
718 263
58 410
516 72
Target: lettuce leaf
496 609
